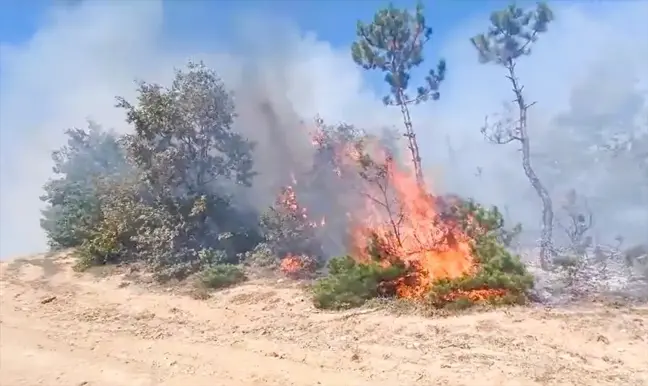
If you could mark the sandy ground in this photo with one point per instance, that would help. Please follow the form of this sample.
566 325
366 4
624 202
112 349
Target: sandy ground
61 328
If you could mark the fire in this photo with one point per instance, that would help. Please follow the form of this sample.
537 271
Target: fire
409 227
291 265
288 201
404 221
295 266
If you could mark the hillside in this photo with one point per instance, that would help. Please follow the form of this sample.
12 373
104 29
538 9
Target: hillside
99 329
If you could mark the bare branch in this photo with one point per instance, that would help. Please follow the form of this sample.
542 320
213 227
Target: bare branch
501 132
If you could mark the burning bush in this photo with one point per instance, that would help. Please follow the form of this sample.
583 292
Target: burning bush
404 239
496 277
298 266
287 228
499 276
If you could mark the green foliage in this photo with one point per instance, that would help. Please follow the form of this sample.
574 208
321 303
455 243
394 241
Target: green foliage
351 284
222 275
173 214
183 137
73 205
511 33
185 147
170 210
112 237
510 36
262 256
476 220
393 43
72 211
497 267
159 195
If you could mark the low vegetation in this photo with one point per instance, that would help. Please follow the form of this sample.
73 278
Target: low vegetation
500 277
222 276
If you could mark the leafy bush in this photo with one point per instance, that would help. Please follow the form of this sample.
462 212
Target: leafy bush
111 236
475 220
500 276
173 212
67 220
73 206
222 276
351 284
261 256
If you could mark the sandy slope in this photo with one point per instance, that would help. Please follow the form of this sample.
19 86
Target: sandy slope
101 330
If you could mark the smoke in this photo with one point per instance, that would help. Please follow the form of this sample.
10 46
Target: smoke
84 55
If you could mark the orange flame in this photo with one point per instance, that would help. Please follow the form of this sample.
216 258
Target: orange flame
402 217
294 266
291 264
404 220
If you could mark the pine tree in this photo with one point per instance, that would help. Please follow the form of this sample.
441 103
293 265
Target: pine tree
393 43
512 32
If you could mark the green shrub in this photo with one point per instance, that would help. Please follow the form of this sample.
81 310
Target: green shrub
351 284
72 201
262 256
501 277
498 269
111 237
173 212
222 276
98 249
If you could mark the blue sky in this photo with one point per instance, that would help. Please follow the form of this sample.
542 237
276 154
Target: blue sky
60 66
334 20
197 22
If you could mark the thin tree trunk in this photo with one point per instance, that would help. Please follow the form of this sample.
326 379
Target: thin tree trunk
546 234
413 144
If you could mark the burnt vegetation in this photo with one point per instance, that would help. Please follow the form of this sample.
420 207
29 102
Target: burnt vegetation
165 194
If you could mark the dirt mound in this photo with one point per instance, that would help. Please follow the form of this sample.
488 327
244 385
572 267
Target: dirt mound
62 328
